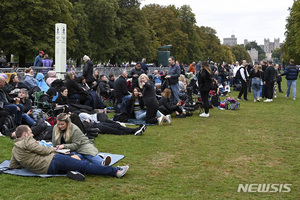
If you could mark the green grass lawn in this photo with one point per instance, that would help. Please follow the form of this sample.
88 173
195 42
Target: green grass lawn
194 158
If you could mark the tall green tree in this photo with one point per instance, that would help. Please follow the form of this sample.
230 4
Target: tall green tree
166 24
29 26
291 48
240 53
134 36
188 26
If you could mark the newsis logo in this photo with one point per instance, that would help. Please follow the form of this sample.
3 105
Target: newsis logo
264 188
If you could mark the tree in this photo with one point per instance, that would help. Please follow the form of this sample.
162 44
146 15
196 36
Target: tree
240 53
291 48
166 25
188 26
227 54
276 54
28 26
134 36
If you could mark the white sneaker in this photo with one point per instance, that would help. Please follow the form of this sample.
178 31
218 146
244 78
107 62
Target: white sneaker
286 96
168 118
275 96
254 100
268 100
204 115
161 120
258 99
294 98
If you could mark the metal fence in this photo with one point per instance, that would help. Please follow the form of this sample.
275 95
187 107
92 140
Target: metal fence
117 71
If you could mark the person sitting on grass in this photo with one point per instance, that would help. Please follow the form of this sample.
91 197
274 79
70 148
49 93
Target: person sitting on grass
135 105
27 153
167 107
67 135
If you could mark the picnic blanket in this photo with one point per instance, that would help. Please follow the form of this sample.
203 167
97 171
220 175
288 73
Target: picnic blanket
24 172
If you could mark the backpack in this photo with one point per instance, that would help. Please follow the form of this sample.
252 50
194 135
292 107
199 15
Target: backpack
238 75
215 100
9 125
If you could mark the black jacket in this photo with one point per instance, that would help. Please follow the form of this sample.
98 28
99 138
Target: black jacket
5 98
166 106
88 72
27 105
270 74
73 88
120 88
149 95
111 84
104 88
204 81
135 79
130 107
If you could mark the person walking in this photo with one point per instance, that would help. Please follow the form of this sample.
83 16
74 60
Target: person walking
291 74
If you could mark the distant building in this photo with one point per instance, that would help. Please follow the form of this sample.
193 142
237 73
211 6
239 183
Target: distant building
253 54
268 46
230 41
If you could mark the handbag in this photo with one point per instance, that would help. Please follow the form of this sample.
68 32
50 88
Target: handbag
165 84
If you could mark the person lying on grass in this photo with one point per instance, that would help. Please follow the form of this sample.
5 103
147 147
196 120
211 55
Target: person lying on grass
27 153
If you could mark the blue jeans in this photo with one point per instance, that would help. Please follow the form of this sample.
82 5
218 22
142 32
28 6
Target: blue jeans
96 160
61 164
289 84
140 115
256 87
175 93
13 111
27 119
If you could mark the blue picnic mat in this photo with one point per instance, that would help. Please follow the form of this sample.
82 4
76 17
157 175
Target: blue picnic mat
24 172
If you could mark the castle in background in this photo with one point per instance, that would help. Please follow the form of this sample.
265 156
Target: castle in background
268 46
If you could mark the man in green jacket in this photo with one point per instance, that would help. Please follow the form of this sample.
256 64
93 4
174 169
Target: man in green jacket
27 153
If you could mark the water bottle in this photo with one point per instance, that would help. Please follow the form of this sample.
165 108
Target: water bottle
105 110
34 115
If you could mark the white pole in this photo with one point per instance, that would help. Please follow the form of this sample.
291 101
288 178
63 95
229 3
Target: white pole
60 49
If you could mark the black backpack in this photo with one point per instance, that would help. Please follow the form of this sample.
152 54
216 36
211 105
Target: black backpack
9 125
238 74
215 100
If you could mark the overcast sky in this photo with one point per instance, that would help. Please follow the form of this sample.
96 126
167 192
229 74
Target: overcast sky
246 19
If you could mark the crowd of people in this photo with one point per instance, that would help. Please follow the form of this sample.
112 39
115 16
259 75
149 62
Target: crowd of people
151 98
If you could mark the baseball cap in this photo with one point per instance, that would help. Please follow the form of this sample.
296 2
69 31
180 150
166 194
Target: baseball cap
41 52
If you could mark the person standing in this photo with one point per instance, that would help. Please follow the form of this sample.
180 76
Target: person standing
269 80
205 83
47 62
244 76
135 74
173 75
38 62
88 71
291 73
145 66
